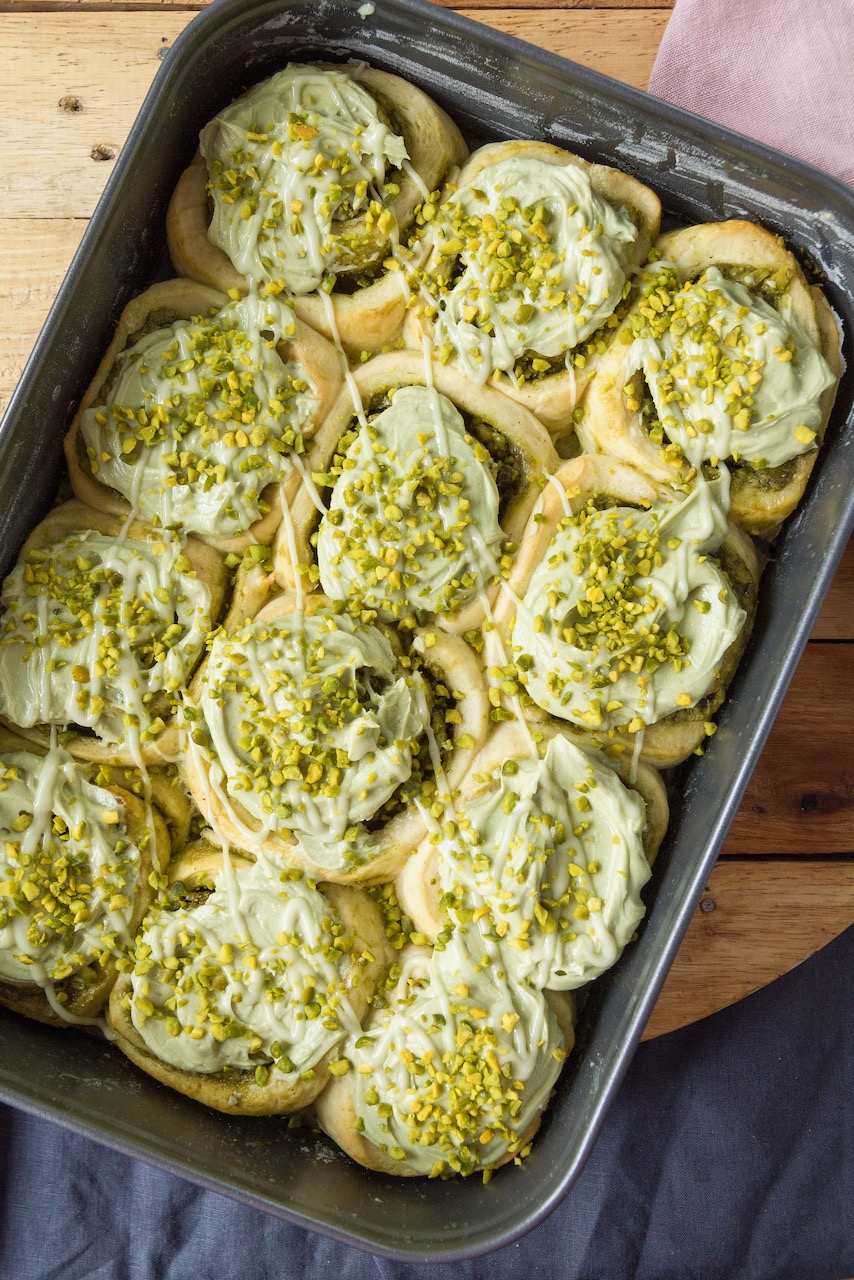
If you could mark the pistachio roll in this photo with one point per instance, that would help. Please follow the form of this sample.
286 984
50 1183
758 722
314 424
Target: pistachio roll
423 494
630 605
319 742
102 626
727 357
543 857
531 254
199 411
453 1075
244 981
314 176
80 861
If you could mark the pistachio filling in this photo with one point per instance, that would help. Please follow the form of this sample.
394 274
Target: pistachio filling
626 617
412 526
69 872
201 416
100 632
540 264
250 978
311 724
547 860
731 377
291 163
448 1078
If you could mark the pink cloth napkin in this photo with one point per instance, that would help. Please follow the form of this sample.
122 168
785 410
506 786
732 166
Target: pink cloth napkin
779 70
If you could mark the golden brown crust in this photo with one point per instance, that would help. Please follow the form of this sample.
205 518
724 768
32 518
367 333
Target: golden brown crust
237 1092
451 661
671 740
371 316
609 426
187 299
75 516
527 439
553 396
88 990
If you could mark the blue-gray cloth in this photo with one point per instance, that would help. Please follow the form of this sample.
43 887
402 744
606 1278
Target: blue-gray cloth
728 1155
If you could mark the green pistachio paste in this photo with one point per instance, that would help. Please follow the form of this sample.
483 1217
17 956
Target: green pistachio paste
448 1077
290 163
412 525
68 871
730 376
553 849
100 632
201 417
626 618
541 260
249 979
312 724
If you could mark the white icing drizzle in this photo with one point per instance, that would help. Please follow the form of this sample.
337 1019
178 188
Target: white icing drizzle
259 979
452 1074
202 416
547 861
69 872
310 724
652 644
95 628
290 162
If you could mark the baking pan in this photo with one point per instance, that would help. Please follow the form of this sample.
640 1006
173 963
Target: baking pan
494 86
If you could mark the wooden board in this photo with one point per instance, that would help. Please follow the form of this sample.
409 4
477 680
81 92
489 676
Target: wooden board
73 77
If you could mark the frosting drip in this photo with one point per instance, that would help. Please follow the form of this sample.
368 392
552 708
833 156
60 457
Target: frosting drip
69 872
626 617
412 524
542 264
248 979
201 417
312 725
290 163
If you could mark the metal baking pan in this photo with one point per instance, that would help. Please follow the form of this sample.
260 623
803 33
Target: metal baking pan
494 86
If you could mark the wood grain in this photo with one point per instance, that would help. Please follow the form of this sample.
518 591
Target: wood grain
765 918
801 797
66 109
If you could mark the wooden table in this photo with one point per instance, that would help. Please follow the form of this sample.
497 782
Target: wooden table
72 77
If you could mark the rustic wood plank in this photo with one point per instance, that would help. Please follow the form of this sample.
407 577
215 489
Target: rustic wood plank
121 6
836 620
756 921
65 109
801 797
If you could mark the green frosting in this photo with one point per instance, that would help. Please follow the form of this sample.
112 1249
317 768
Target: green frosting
68 871
201 417
295 154
95 629
553 848
312 725
542 263
412 525
452 1074
730 376
626 617
257 983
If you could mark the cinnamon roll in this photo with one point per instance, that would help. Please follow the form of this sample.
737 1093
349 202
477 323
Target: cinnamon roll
422 484
199 412
532 250
314 176
728 358
244 981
